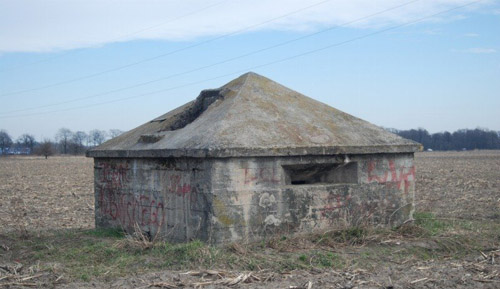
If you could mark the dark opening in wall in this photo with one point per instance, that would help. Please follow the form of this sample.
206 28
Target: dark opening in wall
308 174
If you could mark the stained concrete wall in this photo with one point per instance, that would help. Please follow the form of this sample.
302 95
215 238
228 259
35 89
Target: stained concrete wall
221 200
253 197
167 197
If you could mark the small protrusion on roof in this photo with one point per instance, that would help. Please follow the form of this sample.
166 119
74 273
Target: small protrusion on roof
158 119
202 102
150 138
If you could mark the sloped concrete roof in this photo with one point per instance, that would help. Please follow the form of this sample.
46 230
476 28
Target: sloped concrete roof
253 116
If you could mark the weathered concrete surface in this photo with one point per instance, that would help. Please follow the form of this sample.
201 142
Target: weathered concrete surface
253 116
252 198
252 159
221 200
160 196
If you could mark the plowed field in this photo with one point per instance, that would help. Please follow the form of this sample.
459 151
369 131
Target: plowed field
47 237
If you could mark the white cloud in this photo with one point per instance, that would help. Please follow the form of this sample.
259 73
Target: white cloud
34 26
478 50
471 35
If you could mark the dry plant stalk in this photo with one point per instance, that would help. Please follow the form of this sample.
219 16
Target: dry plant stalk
19 216
218 278
138 240
237 248
14 276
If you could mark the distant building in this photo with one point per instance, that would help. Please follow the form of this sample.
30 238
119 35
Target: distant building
248 160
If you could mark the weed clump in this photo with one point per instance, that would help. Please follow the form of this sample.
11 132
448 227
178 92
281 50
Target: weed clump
430 224
348 236
181 254
106 233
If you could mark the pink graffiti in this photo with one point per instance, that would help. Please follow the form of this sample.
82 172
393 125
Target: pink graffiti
402 177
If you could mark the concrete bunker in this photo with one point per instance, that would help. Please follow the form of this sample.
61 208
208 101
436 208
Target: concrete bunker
248 160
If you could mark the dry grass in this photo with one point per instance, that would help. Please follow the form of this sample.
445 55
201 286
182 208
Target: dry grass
138 240
47 237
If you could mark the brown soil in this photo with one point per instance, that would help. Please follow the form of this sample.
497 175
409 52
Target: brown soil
41 194
462 185
37 195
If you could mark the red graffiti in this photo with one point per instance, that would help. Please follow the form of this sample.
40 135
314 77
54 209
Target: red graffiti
334 203
178 187
341 206
261 175
401 177
127 209
114 175
146 209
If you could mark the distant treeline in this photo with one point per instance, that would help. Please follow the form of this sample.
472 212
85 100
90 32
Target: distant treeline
468 139
64 142
69 142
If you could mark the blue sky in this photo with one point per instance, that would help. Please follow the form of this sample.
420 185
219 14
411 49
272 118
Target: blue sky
441 73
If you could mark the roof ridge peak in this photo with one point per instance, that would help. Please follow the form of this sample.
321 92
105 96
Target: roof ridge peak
247 75
253 115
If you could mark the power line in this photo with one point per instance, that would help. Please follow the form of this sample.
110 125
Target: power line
217 63
120 37
163 54
261 65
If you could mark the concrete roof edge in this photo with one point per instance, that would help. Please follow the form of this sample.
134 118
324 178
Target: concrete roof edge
253 152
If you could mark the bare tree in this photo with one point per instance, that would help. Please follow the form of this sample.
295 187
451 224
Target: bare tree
46 148
97 137
5 141
78 142
114 133
64 137
27 141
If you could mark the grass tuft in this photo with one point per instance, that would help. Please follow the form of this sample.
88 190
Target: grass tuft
106 233
348 236
430 223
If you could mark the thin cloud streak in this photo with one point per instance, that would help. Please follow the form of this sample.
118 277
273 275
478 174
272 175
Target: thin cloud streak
479 50
45 26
